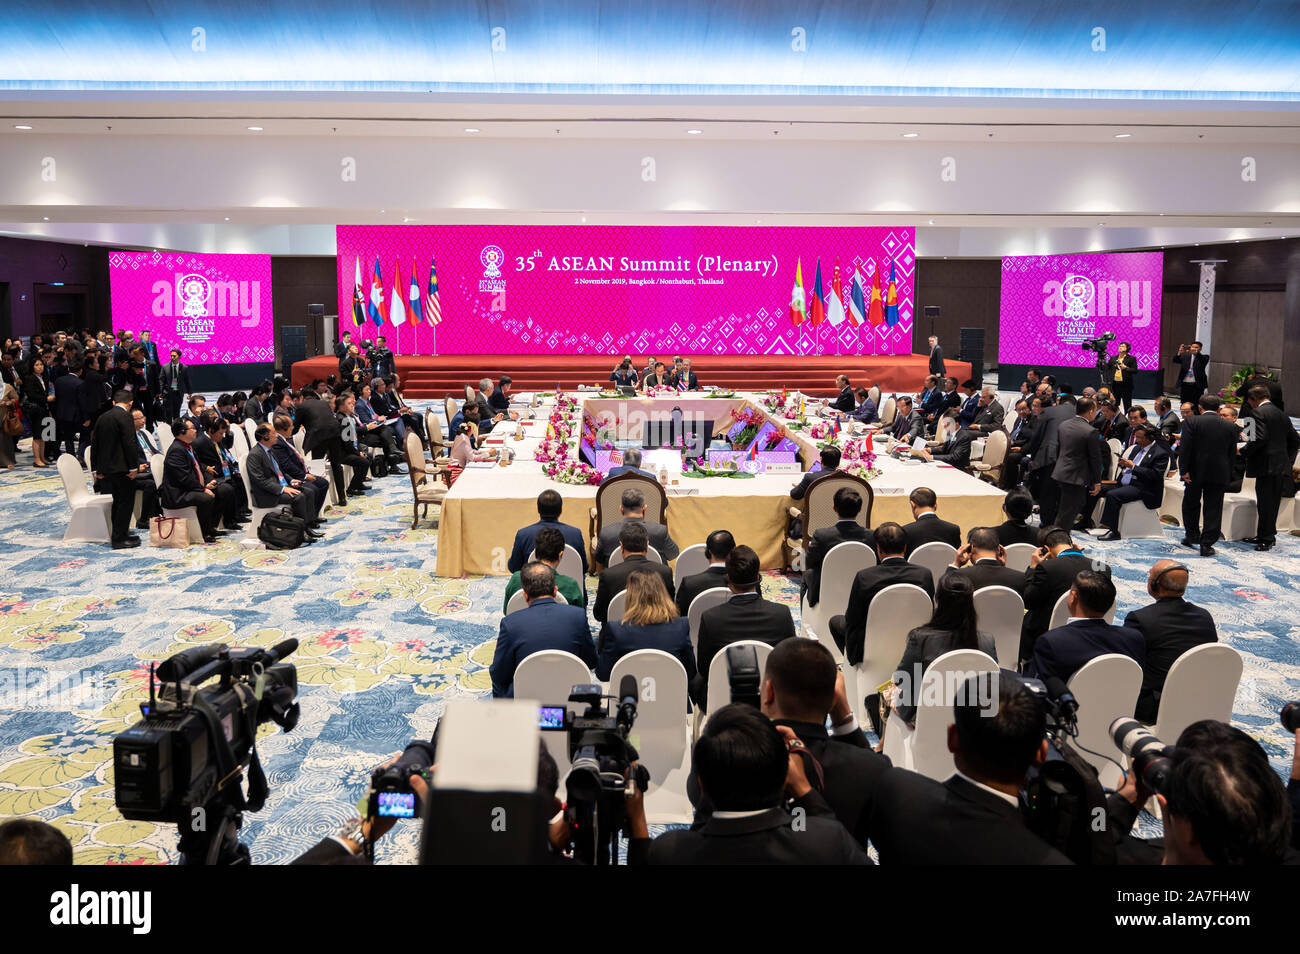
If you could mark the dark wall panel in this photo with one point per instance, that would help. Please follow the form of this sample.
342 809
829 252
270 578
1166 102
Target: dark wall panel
26 263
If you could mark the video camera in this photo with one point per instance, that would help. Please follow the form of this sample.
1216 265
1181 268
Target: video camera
600 755
184 762
1062 796
1098 344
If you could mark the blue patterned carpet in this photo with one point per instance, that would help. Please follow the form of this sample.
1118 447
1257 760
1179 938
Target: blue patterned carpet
384 644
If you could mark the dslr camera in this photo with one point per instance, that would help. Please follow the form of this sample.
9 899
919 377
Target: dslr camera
183 763
391 794
599 781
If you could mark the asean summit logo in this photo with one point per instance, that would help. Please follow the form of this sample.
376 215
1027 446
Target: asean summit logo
194 291
491 258
1077 291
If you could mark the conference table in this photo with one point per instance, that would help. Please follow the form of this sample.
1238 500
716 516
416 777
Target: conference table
489 502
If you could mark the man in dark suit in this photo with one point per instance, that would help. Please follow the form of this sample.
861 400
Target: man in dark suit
1192 380
183 483
631 464
294 465
1052 570
1063 651
324 439
973 818
830 461
115 459
1042 451
1237 476
545 624
989 412
632 540
658 379
341 347
69 410
549 507
1019 434
1110 423
843 402
746 615
1077 471
1270 449
174 382
253 409
632 507
931 399
717 547
375 433
848 504
850 630
956 447
926 525
1141 477
271 486
907 425
936 358
866 412
380 356
686 379
1274 391
232 501
1207 453
143 477
499 402
746 767
1169 627
983 561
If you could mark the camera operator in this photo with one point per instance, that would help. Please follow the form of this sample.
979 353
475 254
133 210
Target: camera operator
1221 801
975 816
1291 719
746 767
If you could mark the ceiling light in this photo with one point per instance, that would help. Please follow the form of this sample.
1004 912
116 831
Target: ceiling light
45 218
22 127
254 128
584 219
227 218
471 130
405 219
1123 135
932 221
910 135
694 132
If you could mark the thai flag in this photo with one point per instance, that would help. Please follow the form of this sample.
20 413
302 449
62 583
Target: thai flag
376 307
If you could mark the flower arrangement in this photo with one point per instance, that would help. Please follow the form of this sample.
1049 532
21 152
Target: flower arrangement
565 403
858 458
775 437
821 431
661 389
750 420
572 472
550 450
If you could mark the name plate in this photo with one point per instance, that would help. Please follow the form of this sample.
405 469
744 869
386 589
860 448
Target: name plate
784 467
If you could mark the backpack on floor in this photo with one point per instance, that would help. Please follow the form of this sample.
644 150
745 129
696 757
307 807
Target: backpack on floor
281 530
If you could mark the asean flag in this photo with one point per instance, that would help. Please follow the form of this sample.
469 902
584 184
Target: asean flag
876 310
817 307
891 298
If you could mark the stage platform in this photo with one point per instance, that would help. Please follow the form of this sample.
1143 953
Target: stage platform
436 376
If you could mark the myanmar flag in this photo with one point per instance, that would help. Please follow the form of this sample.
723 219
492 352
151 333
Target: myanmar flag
376 307
798 307
817 309
358 309
857 300
876 310
891 299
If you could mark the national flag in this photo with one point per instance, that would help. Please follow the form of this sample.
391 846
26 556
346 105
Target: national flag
413 298
753 450
376 306
358 309
857 300
432 309
891 298
876 310
798 306
835 303
835 428
817 309
397 316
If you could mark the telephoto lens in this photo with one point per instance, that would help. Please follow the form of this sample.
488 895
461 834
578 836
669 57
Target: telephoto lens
1290 715
1149 756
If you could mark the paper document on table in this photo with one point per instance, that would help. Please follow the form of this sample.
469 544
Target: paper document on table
481 465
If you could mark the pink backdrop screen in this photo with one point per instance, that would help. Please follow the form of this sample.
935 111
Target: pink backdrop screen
1052 303
215 308
564 289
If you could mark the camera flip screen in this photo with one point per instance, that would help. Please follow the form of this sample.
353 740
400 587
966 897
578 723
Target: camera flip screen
396 805
550 717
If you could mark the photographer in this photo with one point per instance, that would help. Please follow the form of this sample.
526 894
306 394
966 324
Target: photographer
747 767
1222 804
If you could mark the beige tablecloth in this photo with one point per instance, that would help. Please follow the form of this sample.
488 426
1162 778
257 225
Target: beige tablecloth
487 505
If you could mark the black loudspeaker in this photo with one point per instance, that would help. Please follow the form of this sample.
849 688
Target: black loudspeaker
972 350
931 316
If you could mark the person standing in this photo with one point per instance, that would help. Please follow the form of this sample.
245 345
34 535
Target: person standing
936 358
1192 380
175 385
38 398
1208 447
69 408
1269 452
1119 373
1077 471
114 460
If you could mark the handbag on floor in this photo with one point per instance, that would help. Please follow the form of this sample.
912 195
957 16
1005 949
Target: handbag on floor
14 423
169 532
282 530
